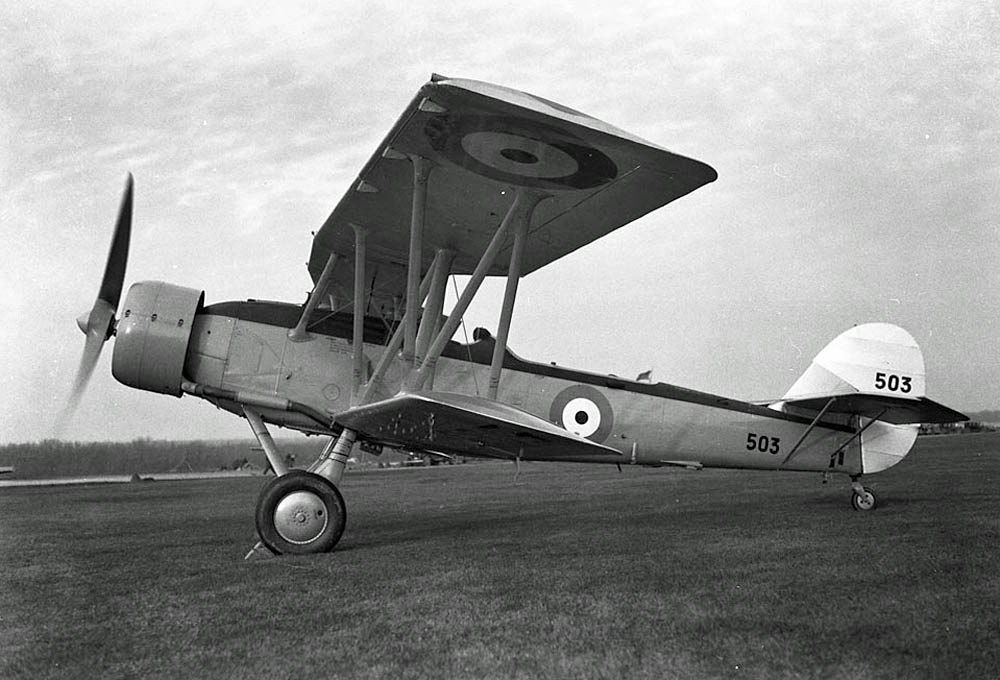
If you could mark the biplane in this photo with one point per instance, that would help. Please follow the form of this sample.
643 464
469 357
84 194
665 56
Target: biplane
479 180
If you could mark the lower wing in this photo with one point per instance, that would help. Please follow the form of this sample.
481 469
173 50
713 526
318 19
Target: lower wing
458 424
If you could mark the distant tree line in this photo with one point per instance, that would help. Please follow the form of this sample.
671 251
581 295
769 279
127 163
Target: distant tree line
53 458
985 416
966 427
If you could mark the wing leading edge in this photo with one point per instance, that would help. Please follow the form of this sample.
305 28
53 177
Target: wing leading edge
483 141
457 424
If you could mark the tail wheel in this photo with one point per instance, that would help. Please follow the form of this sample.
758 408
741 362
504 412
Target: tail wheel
863 501
300 513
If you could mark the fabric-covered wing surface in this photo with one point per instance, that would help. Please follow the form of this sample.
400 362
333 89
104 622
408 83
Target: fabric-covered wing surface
484 142
459 424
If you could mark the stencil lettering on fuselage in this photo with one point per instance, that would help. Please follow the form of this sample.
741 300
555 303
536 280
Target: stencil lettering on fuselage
837 458
584 411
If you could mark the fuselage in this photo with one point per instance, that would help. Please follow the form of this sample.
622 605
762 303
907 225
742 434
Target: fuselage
245 347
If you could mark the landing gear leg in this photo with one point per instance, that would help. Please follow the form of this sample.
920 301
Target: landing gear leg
333 460
300 512
862 498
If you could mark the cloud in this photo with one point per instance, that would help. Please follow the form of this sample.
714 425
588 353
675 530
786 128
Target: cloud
855 144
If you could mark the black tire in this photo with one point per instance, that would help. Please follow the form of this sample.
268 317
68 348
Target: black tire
300 513
863 502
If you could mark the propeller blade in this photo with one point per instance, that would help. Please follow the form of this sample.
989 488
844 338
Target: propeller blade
97 323
101 317
114 271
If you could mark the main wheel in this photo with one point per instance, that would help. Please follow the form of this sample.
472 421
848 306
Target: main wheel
300 513
864 501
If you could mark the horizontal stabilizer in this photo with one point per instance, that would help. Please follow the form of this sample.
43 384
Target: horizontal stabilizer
893 410
458 424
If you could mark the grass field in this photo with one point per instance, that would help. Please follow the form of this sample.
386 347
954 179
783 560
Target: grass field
567 572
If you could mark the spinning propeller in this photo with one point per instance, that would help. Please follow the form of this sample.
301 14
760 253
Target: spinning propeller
99 323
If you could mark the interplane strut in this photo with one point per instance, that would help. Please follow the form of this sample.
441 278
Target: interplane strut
430 321
510 291
358 328
421 173
519 214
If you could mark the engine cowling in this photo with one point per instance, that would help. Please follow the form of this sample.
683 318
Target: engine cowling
153 334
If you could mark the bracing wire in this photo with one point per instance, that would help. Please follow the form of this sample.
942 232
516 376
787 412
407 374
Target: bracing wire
465 334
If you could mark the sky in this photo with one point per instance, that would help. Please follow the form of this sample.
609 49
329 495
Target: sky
856 145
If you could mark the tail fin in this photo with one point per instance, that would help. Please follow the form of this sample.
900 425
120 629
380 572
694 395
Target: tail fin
874 371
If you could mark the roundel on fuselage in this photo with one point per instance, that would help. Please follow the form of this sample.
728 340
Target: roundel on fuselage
584 411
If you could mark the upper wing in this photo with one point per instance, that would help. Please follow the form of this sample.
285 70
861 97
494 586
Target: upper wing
484 140
463 425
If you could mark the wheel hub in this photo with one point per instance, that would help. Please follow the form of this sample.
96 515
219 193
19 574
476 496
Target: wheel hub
300 517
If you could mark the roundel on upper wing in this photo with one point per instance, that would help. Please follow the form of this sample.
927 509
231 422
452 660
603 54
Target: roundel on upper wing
584 411
520 152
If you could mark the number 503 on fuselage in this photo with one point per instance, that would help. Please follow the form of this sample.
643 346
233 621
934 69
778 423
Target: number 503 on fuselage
480 180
